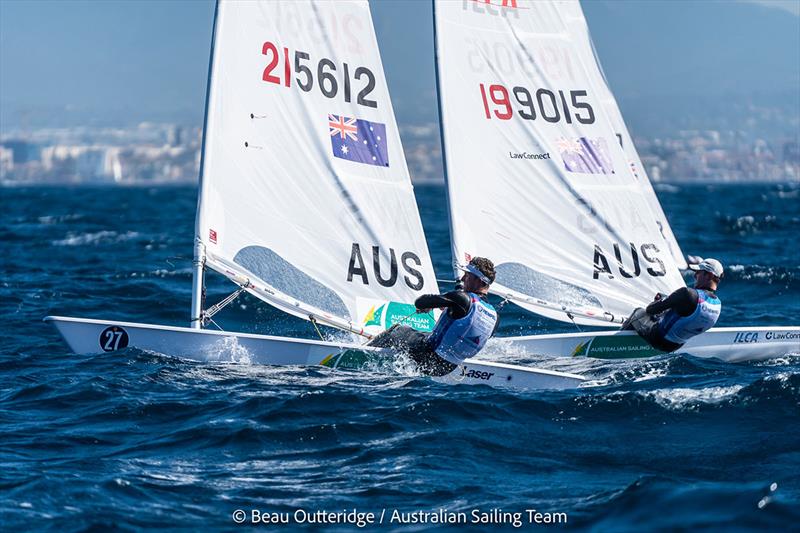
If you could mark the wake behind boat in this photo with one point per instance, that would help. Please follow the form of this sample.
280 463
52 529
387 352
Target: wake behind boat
305 200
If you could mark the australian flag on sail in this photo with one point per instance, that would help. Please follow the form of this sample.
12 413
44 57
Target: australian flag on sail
359 140
586 155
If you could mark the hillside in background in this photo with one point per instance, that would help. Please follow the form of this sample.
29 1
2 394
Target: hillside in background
659 48
670 64
700 65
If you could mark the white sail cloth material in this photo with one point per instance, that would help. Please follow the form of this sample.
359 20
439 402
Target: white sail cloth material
537 178
305 194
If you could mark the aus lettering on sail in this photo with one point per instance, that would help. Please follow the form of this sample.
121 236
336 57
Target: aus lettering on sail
628 263
409 261
630 259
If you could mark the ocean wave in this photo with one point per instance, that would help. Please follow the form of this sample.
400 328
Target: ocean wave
784 360
780 393
139 440
691 398
96 238
771 274
49 220
791 194
644 371
605 373
728 505
750 224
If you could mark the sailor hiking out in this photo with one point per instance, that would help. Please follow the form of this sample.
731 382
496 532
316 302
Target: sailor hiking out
667 323
461 331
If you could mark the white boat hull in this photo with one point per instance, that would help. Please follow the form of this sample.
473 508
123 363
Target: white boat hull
727 344
87 336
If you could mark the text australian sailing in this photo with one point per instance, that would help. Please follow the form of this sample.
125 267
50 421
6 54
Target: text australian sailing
478 516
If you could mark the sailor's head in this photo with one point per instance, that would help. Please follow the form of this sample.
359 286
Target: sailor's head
478 275
707 273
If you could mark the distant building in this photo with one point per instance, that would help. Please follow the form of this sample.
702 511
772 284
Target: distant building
655 173
23 151
791 152
6 161
82 163
175 136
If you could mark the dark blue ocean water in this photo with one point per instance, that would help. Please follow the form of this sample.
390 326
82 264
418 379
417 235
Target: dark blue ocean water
133 440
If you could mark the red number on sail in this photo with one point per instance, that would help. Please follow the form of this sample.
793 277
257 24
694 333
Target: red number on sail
269 47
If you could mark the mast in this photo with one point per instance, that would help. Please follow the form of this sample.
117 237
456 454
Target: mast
455 260
198 280
199 256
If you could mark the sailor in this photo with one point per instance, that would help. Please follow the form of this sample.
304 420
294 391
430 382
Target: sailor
461 331
667 323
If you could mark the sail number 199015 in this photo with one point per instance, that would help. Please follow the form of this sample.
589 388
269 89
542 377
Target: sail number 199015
551 106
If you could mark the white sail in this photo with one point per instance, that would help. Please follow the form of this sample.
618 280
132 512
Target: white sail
537 179
305 195
580 33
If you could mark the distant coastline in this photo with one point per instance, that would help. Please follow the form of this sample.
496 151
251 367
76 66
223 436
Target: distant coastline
160 154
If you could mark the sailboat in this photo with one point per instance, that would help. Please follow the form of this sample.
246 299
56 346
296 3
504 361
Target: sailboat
543 178
305 200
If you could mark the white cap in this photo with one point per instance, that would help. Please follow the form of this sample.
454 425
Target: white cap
709 265
472 269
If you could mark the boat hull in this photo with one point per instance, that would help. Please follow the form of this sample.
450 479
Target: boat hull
88 336
732 345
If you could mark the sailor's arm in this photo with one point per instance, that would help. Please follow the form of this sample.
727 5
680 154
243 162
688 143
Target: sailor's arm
456 302
683 301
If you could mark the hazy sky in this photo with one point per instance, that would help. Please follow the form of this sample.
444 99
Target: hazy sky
147 59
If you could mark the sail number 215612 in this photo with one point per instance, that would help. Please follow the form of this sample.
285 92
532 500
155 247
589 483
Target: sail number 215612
550 106
330 79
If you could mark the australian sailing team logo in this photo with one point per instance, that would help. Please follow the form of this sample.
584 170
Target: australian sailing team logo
360 141
615 347
386 315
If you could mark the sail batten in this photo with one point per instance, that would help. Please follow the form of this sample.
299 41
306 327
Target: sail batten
542 176
305 195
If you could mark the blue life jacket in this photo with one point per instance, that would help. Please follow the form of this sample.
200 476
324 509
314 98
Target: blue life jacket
455 340
679 329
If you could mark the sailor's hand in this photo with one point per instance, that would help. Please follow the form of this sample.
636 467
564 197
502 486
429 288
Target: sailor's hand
423 311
